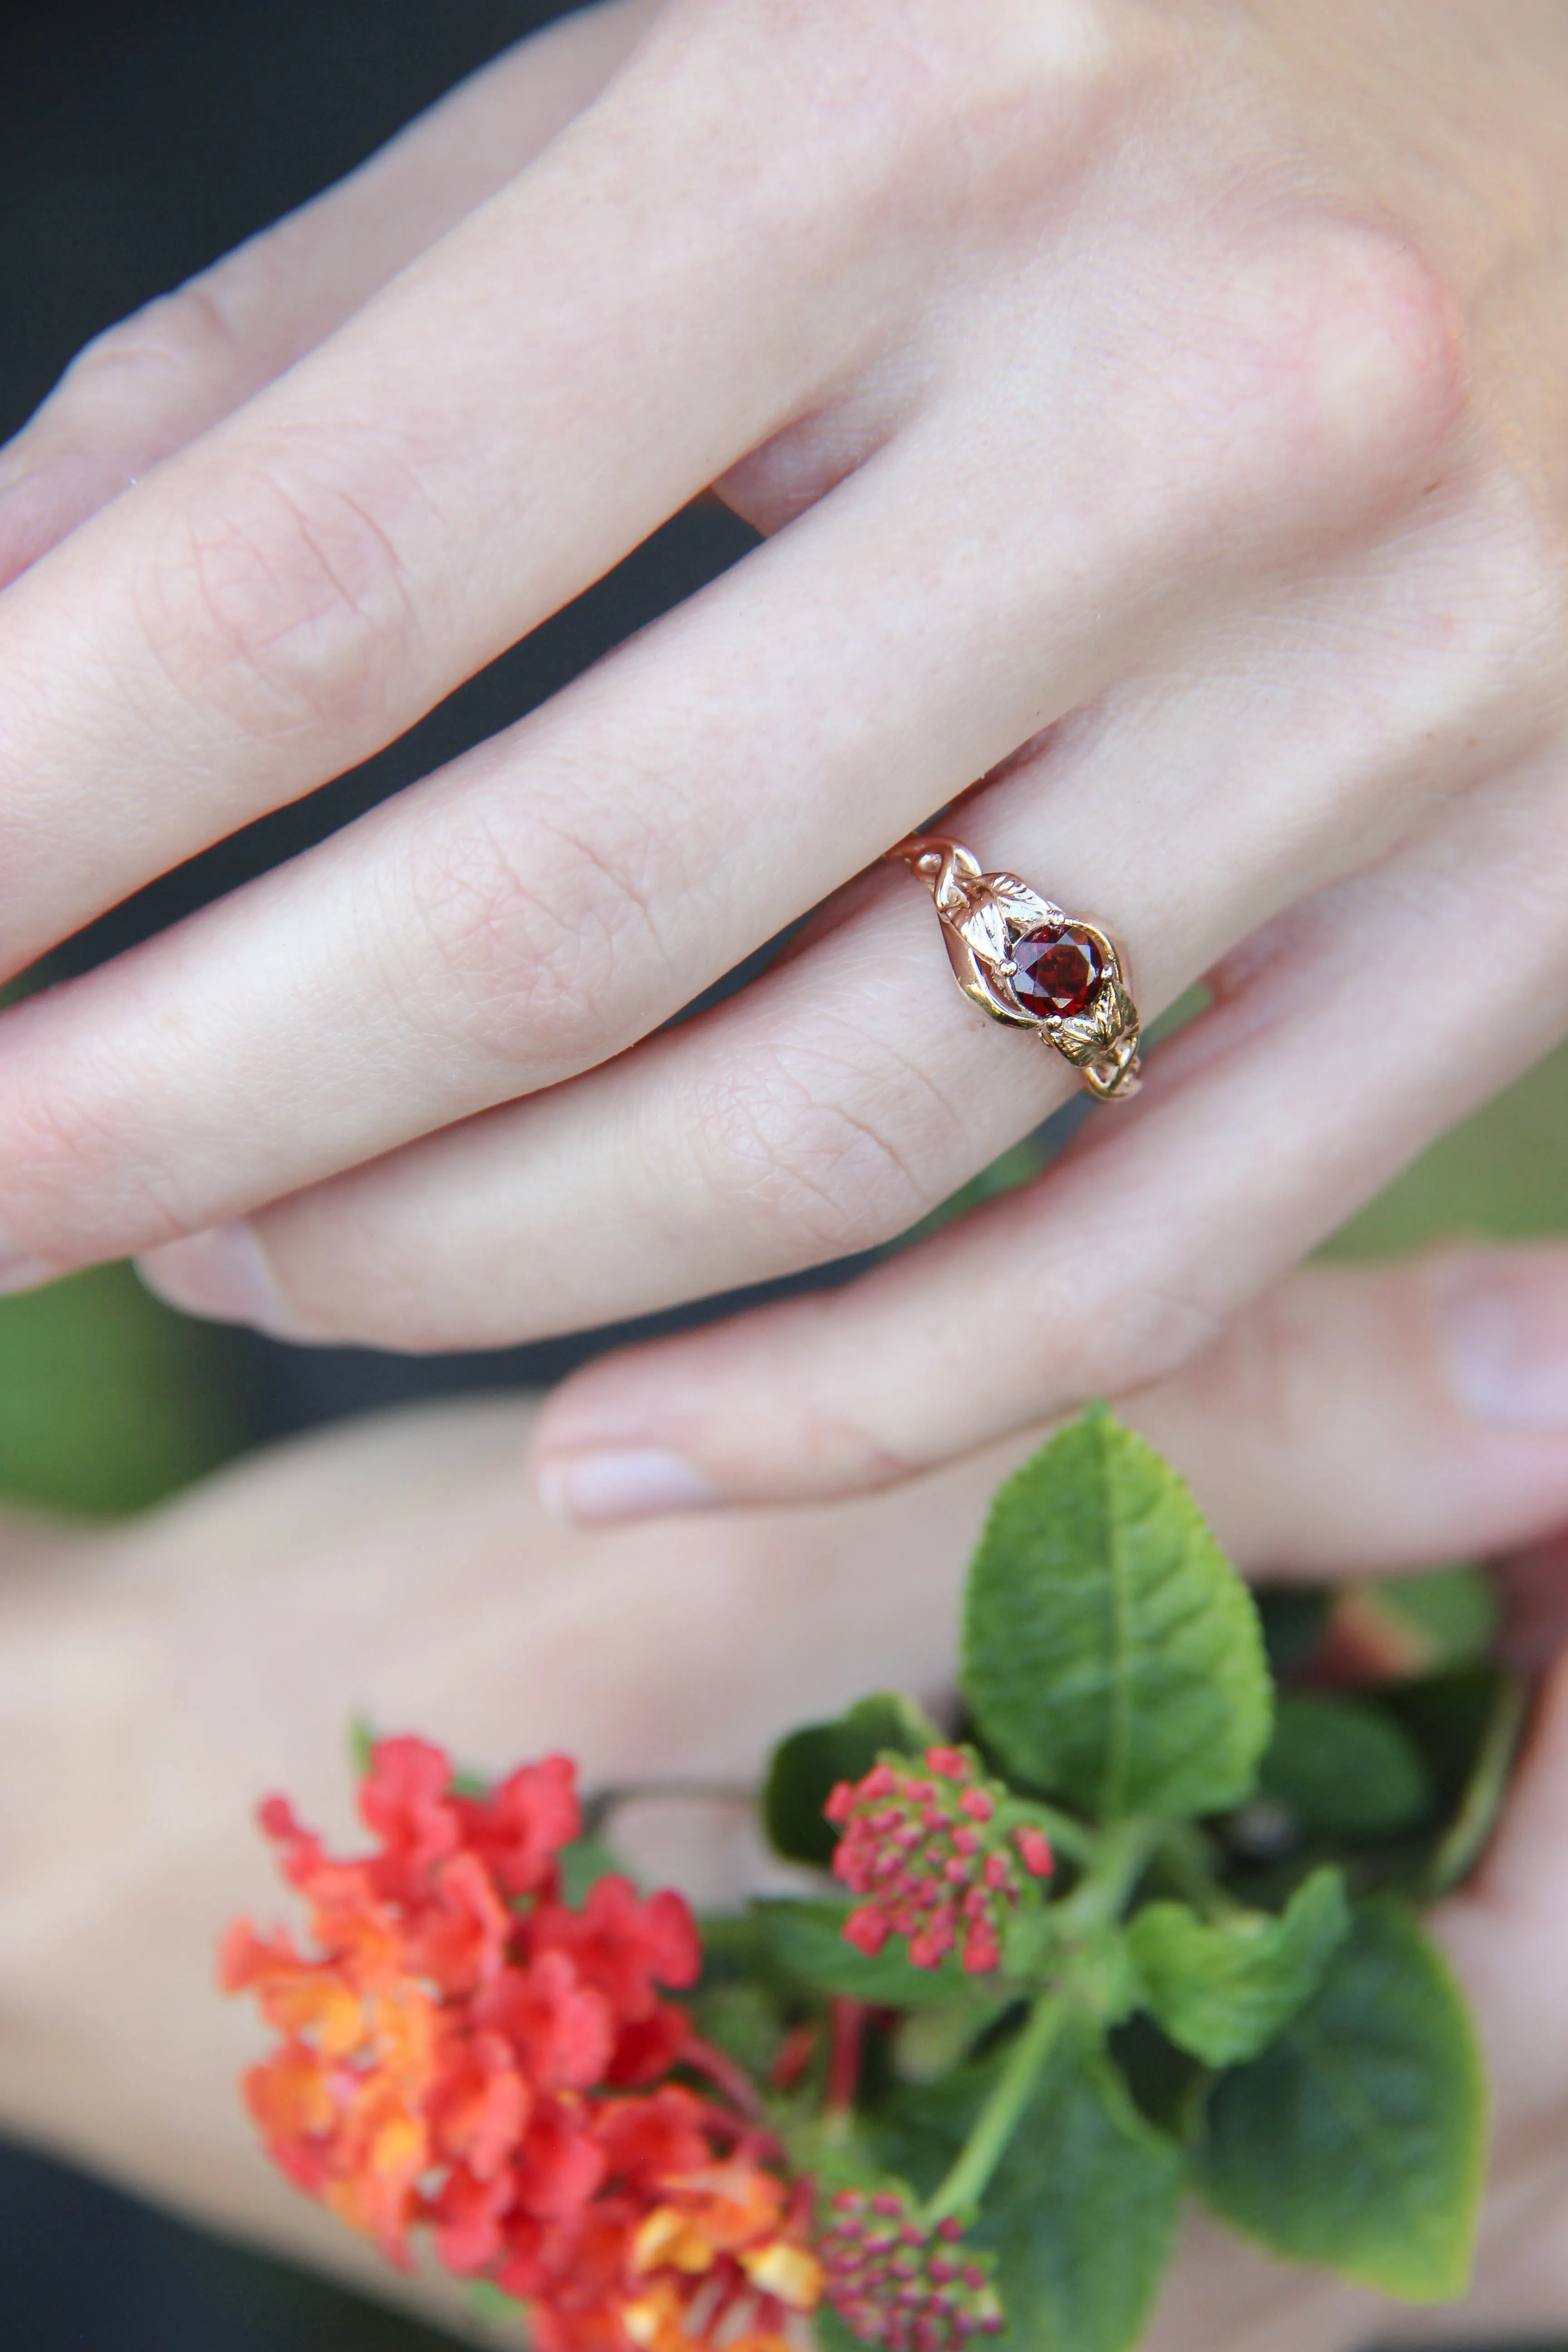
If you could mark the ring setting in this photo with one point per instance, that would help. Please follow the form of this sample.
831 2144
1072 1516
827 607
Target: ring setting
1025 962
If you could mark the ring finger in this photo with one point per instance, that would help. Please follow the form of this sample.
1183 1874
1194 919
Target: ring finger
834 1102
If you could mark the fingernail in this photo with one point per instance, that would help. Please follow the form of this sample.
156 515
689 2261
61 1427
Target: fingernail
18 1272
224 1275
633 1484
1505 1322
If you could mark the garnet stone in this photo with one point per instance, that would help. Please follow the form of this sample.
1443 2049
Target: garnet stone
1060 969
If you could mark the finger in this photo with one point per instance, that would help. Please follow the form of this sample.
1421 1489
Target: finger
832 1103
1369 1421
157 381
558 894
1318 1074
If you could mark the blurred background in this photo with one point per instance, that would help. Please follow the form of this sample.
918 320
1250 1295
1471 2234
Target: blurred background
137 142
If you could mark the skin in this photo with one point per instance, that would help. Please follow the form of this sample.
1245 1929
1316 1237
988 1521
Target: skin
142 1669
1157 411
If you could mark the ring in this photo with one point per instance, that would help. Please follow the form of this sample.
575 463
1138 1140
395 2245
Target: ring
1024 961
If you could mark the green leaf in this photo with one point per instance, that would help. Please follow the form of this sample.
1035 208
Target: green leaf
1081 2212
1223 1990
805 1768
1343 1767
1105 1978
1357 2141
1110 1652
806 1940
1086 2174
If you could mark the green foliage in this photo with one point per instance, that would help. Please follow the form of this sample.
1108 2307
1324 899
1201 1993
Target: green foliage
1111 1654
806 1767
1357 2139
1310 2065
109 1400
1343 1767
1224 1989
806 1941
1083 2211
1453 1610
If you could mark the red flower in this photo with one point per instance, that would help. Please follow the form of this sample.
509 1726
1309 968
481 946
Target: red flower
940 1857
463 2051
520 1828
460 1933
479 2105
893 2281
563 2030
625 1946
403 1800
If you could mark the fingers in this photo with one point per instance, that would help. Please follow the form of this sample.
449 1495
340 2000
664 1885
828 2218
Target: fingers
152 384
833 1103
555 896
1316 1076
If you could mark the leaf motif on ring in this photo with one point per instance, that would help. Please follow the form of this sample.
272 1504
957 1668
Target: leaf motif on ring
1000 909
1087 1035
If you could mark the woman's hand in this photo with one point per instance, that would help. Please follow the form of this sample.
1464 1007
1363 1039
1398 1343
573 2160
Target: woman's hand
1160 410
157 1680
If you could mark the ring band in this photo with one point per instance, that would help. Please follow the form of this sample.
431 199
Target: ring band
1023 960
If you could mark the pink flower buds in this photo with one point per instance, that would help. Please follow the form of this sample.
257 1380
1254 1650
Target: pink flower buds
893 2281
937 1856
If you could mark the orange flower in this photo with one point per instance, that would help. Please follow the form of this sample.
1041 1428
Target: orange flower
462 2050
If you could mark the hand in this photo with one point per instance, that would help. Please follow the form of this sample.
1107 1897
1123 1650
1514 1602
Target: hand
1160 412
160 1678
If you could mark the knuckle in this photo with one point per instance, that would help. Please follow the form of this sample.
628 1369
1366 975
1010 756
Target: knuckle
182 340
542 941
809 1146
278 597
1343 366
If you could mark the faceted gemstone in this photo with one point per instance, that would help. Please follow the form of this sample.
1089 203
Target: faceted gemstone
1060 969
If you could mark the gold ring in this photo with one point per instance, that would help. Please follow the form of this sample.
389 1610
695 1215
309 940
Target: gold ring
1024 961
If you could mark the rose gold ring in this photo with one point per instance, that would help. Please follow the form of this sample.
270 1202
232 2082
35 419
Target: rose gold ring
1023 960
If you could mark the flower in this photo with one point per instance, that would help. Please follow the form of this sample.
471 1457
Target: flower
463 2051
895 2281
940 1857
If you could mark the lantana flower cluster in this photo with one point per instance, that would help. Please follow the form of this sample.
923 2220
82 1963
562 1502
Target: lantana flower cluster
894 2280
937 1856
464 2052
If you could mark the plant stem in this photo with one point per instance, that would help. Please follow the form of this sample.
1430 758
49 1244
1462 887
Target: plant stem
1121 1856
1468 1832
998 2119
846 2033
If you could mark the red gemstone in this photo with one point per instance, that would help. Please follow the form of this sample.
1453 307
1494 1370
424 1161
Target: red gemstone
1060 969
